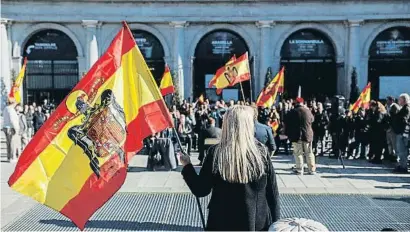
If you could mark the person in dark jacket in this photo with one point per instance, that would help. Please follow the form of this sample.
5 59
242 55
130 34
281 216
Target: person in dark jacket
376 131
211 132
360 144
38 119
399 124
319 129
348 133
263 133
240 175
298 127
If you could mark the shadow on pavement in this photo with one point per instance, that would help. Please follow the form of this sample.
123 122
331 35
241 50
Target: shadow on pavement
387 179
122 225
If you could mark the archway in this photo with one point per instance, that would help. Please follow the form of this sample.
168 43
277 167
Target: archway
389 59
211 53
153 52
52 68
309 59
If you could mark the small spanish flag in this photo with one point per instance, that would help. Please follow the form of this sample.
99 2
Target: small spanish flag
79 157
363 100
15 90
268 95
274 124
234 71
166 86
201 98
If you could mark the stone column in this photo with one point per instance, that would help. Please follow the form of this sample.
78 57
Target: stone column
353 52
363 77
179 57
265 53
91 42
5 58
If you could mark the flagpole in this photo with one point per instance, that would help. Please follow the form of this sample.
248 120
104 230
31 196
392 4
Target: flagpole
197 199
243 95
250 79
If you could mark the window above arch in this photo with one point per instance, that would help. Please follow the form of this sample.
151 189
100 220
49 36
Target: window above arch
391 43
307 43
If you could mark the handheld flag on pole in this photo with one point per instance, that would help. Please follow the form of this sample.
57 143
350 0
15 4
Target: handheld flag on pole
167 86
219 81
235 71
268 95
15 90
363 100
275 125
79 157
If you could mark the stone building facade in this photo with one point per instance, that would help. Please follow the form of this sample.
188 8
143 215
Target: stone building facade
318 42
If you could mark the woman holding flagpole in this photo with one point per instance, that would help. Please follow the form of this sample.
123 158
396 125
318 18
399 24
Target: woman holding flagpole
240 175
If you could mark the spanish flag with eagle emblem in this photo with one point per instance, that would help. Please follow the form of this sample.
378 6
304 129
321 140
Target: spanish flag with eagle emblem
235 70
167 86
15 90
268 95
364 99
78 159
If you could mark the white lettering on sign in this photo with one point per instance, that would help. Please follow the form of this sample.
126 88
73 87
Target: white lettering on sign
222 42
140 40
303 41
41 46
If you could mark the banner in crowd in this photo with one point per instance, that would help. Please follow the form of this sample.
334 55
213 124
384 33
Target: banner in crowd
79 157
15 89
363 100
236 70
167 86
268 95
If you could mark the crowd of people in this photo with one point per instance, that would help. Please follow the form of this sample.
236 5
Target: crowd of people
20 123
308 128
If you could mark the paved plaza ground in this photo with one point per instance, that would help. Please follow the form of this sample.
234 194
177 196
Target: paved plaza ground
361 197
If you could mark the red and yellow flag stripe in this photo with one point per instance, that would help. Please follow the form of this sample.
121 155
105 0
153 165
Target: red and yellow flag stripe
235 70
167 85
268 95
56 171
15 89
364 99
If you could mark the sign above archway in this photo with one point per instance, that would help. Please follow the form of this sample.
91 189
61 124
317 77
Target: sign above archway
307 43
220 44
50 45
149 45
393 42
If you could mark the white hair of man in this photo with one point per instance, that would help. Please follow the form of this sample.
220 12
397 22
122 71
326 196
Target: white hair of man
237 157
406 98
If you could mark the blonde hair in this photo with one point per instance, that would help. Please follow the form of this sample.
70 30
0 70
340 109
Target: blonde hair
238 159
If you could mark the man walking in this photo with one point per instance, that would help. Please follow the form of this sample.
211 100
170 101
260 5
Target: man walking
399 123
11 128
298 127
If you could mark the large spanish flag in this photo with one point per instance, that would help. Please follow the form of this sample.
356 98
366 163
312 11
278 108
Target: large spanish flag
166 86
363 100
15 90
235 70
268 95
78 159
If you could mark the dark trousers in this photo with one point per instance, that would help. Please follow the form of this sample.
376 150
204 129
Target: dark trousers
281 143
318 139
165 148
376 149
358 147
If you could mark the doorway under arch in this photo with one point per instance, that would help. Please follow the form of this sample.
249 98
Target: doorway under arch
389 63
308 56
211 53
52 67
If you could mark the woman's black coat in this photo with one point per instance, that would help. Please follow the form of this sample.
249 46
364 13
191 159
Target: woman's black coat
241 207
